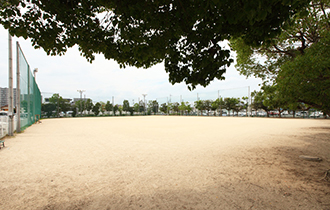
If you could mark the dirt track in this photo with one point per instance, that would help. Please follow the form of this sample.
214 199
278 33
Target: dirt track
167 163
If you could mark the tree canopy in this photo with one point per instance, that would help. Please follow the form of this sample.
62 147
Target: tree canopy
294 65
185 34
306 79
301 32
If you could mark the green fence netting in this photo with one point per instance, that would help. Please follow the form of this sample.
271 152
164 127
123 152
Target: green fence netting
30 96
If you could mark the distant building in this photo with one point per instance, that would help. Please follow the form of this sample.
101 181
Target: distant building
4 100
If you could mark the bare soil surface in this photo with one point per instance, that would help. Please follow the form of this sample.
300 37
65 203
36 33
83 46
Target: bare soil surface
166 162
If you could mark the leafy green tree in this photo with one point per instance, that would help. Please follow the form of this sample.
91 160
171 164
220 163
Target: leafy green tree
207 105
54 99
136 107
245 104
303 30
60 103
199 105
126 105
131 110
48 109
258 101
169 108
152 106
102 108
175 107
80 104
188 107
120 109
218 104
88 105
142 106
163 108
214 106
185 107
108 106
96 109
238 105
274 99
65 105
182 107
115 109
306 79
231 104
74 110
186 35
289 63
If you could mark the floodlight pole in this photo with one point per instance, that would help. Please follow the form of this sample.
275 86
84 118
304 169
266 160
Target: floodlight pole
81 92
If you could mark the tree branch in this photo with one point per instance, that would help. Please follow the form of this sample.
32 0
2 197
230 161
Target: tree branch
286 52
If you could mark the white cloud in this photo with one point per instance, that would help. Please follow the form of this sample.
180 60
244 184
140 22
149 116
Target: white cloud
103 78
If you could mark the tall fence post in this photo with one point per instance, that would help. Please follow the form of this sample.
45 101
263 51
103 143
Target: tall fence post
10 94
18 91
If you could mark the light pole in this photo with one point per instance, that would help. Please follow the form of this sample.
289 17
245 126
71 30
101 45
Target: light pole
144 98
81 92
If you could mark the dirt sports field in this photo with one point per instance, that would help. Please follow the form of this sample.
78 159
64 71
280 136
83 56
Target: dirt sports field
167 163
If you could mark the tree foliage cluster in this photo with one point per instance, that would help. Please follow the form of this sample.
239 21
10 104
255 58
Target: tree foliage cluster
230 104
185 35
295 64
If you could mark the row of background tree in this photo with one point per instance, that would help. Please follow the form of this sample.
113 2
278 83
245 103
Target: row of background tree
267 99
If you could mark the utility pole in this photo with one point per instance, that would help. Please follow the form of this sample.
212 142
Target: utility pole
144 98
81 92
11 92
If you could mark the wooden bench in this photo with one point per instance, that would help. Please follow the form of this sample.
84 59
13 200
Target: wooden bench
2 142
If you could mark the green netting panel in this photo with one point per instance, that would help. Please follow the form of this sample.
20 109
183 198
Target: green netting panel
30 97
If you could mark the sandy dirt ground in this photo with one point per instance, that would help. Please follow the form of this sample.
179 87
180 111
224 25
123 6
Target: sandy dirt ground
167 163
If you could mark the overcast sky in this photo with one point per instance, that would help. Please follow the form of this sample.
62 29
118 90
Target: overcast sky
103 78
